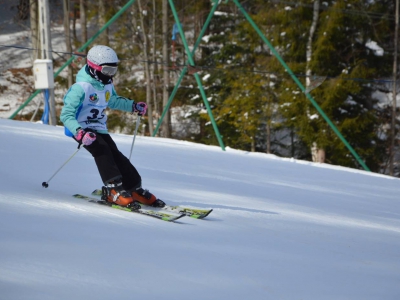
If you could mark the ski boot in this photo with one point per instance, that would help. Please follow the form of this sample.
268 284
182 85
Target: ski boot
114 192
147 198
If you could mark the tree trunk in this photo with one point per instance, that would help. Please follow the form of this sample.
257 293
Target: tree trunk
83 21
292 148
74 14
34 28
66 7
166 132
146 68
154 69
135 36
394 114
23 9
317 153
268 114
103 38
269 136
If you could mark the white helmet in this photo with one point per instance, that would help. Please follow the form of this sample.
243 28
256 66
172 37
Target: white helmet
100 55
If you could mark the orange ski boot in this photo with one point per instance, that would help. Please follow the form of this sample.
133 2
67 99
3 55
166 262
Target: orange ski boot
146 198
114 192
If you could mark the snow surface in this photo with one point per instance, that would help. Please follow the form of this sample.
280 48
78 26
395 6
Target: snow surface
280 229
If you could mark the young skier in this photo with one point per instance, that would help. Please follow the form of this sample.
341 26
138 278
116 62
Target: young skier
84 118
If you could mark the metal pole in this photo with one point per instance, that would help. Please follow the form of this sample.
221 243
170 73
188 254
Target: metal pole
134 135
45 184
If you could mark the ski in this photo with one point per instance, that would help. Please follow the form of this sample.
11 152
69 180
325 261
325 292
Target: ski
143 211
196 213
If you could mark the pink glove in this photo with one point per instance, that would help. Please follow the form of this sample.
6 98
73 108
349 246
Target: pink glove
140 108
85 138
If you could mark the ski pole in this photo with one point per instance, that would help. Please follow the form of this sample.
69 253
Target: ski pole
45 184
134 135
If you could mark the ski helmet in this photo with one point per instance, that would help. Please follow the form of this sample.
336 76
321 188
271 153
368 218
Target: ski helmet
100 55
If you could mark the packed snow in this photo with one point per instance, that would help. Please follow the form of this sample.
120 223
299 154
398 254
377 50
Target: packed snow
280 229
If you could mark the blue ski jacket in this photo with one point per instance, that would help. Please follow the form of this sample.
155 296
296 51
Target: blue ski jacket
75 96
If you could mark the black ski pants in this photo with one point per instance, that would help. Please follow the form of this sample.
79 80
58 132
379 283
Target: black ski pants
111 163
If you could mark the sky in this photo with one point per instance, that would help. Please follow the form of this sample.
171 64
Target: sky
281 228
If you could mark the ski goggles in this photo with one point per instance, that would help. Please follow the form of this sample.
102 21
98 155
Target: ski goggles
106 70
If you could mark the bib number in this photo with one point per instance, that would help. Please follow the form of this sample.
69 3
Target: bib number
95 114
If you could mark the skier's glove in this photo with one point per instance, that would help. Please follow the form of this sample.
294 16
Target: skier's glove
139 108
85 138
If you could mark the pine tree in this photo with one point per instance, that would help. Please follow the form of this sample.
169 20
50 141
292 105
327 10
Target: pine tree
242 92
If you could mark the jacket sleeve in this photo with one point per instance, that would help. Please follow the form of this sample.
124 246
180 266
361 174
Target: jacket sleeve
120 103
73 100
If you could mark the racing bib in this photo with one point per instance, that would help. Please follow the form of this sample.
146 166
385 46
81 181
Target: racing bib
92 112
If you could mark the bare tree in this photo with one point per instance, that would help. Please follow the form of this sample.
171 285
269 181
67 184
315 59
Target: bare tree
166 132
394 93
154 69
23 10
103 38
82 16
146 67
74 10
66 8
318 154
34 28
268 110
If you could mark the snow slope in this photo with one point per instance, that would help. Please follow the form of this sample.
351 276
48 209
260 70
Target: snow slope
281 229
